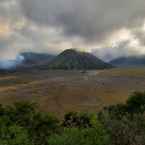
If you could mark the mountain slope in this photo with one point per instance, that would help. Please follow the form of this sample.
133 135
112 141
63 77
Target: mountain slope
68 60
72 59
131 61
31 59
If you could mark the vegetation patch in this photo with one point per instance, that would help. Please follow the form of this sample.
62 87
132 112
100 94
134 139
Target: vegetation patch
121 124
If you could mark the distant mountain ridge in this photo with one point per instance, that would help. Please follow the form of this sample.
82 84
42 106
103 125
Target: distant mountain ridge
130 61
30 61
69 59
72 59
31 58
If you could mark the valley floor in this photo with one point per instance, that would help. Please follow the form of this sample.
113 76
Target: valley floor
63 91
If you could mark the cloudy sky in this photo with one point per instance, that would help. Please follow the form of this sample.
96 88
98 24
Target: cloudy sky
107 28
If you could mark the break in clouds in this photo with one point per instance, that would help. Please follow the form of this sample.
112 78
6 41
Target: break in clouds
107 28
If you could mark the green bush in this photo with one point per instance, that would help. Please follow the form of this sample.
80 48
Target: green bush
43 126
136 102
122 124
13 134
126 122
39 125
134 105
113 112
83 136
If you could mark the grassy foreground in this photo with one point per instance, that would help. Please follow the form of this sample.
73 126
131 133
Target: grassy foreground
121 124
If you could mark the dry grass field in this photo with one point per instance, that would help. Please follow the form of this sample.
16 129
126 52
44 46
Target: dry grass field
62 91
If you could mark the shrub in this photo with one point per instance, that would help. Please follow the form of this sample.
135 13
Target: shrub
13 134
23 113
113 112
127 131
136 102
81 120
43 126
83 136
134 105
39 125
126 122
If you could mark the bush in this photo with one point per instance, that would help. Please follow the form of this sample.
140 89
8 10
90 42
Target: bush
39 125
113 112
81 120
83 136
13 134
127 131
43 126
136 103
123 124
126 122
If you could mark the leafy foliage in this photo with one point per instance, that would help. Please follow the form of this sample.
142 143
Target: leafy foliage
24 115
127 131
126 122
76 136
42 127
134 105
136 102
80 120
121 124
13 134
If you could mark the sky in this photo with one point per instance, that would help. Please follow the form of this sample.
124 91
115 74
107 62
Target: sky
106 28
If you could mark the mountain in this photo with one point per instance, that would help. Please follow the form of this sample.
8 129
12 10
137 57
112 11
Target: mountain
67 60
73 59
26 61
35 59
130 61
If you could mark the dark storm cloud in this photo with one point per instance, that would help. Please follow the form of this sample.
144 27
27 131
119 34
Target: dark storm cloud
89 19
54 25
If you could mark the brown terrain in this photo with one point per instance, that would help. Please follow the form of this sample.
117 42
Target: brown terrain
63 91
